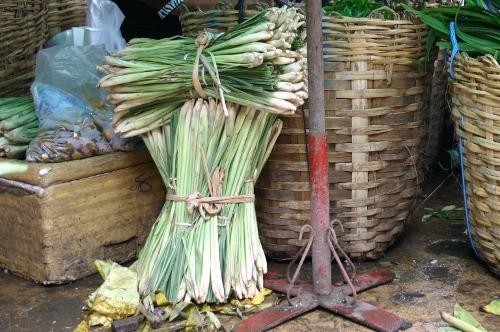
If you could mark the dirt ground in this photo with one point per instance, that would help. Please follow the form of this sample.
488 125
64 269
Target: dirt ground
436 265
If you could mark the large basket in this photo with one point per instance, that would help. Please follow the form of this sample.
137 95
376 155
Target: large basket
65 14
23 31
377 104
221 19
475 100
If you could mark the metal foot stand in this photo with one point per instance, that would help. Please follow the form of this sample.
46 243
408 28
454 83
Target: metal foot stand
341 300
341 297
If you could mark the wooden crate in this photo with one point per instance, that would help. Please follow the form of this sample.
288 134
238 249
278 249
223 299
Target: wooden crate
57 219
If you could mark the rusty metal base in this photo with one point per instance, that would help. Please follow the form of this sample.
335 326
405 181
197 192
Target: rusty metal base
337 302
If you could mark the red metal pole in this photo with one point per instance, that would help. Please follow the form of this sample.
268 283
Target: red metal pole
318 152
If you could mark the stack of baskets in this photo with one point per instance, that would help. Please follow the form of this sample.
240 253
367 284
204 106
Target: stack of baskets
23 31
377 105
476 112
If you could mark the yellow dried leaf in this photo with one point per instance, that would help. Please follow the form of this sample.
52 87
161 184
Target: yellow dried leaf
98 320
82 327
108 307
492 308
261 296
161 299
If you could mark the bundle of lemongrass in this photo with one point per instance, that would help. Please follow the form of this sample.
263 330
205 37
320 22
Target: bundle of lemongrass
204 245
261 63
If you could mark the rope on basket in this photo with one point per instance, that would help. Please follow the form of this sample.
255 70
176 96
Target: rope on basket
455 49
466 205
454 52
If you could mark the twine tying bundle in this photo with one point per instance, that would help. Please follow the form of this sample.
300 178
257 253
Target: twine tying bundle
204 40
197 201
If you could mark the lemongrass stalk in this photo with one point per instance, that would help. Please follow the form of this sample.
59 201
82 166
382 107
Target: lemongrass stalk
299 78
132 96
122 79
272 15
22 134
291 76
276 42
215 266
281 16
134 103
293 67
252 47
286 86
285 45
277 33
242 58
264 26
14 151
246 39
291 37
291 54
150 88
15 122
143 125
285 95
182 291
302 94
272 54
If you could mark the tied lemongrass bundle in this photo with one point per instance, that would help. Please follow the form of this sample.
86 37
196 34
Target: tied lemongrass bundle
204 246
261 63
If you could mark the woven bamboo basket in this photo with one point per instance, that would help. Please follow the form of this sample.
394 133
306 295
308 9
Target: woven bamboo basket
221 19
437 108
377 105
23 31
65 14
475 100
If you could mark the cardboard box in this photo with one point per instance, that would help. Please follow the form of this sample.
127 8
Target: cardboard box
57 219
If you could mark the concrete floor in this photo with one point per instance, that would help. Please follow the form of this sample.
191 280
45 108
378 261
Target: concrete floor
435 262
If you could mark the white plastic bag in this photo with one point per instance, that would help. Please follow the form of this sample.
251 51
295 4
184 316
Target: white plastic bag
103 22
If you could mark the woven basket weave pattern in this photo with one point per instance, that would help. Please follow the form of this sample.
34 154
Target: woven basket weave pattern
221 19
23 31
65 14
476 112
377 106
437 108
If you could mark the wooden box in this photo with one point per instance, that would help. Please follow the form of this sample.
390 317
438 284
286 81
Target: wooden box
57 219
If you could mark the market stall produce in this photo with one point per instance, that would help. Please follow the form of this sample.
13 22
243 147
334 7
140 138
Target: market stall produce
259 64
206 108
18 126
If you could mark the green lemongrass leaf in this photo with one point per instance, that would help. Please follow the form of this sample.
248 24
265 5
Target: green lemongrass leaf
466 317
459 209
418 63
426 217
430 21
493 307
11 167
481 44
448 208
